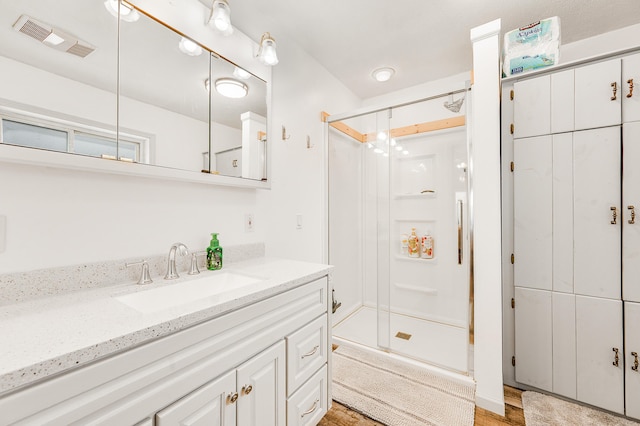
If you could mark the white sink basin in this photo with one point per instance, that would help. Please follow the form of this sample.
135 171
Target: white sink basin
182 293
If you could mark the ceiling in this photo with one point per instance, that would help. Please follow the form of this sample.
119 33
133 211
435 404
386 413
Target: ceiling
423 40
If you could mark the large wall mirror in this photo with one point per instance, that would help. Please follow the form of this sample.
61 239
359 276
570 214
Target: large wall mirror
178 106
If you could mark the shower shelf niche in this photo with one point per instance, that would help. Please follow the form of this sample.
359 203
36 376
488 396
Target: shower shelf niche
431 194
416 259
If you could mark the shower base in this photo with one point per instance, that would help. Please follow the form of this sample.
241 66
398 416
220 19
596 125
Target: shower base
431 342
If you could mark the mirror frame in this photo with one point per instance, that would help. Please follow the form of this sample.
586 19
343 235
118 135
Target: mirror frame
178 16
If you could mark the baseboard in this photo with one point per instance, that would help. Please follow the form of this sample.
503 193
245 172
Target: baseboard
490 405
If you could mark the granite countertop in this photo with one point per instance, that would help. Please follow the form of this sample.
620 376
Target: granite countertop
46 336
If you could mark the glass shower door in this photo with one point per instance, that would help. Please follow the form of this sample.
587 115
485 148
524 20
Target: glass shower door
429 290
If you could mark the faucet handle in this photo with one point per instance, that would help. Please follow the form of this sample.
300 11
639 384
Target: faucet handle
194 262
145 278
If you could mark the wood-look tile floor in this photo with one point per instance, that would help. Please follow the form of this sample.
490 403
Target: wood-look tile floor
339 415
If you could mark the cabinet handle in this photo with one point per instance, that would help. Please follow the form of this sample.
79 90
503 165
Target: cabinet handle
232 397
630 82
310 410
633 215
234 163
247 389
614 215
635 362
614 88
313 351
616 362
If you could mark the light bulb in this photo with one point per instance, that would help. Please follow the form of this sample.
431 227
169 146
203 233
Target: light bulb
189 47
267 52
221 17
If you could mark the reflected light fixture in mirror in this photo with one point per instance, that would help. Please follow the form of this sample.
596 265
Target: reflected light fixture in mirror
220 17
267 51
240 73
383 74
127 12
231 88
188 47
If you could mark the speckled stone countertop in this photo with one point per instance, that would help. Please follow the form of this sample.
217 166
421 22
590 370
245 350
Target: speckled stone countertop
43 337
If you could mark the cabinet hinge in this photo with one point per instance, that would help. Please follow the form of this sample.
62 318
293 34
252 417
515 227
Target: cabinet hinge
513 361
512 166
513 259
512 128
511 95
513 303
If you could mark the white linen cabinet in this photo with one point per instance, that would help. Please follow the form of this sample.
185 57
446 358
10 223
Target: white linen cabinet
576 152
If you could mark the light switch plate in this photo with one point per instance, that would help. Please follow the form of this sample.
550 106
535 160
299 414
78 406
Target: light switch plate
248 222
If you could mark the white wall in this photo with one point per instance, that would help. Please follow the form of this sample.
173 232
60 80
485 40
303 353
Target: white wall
302 88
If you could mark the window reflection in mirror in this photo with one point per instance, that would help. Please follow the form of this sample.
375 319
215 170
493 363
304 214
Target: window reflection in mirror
58 91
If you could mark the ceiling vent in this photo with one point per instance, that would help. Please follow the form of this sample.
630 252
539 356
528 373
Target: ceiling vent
52 37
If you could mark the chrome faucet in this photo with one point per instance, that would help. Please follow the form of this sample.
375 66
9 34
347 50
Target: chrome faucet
172 271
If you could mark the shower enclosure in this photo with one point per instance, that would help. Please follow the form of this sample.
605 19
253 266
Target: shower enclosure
392 172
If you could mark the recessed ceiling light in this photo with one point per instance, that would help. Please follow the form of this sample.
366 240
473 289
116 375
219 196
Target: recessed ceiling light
231 88
383 74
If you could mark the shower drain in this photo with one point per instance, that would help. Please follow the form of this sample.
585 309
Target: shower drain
401 335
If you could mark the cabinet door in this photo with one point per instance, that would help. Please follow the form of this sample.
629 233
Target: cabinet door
562 98
598 95
564 344
532 210
534 338
261 384
631 98
632 351
563 212
600 379
596 184
532 107
631 204
207 406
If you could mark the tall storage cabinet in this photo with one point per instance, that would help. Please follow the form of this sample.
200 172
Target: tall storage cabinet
576 246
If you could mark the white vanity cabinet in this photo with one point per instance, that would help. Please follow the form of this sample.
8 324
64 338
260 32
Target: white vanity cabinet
252 366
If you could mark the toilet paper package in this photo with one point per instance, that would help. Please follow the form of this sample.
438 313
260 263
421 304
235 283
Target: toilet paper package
531 47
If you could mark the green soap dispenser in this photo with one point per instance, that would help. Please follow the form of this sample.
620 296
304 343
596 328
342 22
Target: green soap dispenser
214 254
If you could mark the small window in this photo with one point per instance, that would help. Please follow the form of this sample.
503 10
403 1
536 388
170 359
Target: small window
29 135
95 146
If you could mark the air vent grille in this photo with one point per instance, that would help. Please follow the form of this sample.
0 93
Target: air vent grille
34 29
40 31
80 50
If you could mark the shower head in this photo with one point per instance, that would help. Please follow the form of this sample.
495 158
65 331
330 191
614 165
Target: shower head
454 106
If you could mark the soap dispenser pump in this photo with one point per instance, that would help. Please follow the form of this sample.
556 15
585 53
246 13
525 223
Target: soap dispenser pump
214 254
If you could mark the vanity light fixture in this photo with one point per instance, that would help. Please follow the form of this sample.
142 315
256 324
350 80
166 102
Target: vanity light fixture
220 17
188 47
231 88
127 12
267 51
240 73
383 74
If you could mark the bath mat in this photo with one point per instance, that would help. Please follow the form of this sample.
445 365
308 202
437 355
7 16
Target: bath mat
399 394
545 410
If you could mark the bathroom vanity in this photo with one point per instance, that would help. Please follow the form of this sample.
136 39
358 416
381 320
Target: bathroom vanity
254 352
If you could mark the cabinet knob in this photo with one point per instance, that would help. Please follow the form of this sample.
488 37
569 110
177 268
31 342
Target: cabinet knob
247 389
614 215
616 361
633 215
635 362
630 83
614 90
232 397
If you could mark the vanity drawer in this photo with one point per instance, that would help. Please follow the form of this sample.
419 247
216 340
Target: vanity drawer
306 352
309 404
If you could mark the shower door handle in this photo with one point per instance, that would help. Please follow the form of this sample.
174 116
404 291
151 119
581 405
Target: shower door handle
460 224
